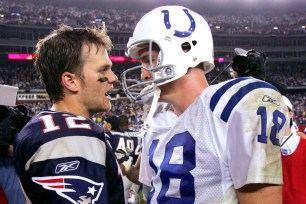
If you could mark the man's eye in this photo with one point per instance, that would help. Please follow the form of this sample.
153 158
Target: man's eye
103 70
146 61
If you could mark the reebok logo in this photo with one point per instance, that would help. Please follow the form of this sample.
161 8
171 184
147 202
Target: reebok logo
68 166
269 99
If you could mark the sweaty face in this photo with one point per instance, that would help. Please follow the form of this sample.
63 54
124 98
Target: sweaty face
144 59
98 79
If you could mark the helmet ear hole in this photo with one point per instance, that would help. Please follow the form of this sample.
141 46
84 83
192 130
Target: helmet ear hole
186 47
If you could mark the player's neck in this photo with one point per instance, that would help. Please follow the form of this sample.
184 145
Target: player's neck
69 106
186 89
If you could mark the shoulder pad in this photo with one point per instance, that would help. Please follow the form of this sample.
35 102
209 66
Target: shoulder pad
227 96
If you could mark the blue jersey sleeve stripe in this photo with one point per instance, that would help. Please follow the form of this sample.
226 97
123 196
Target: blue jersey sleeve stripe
216 97
240 94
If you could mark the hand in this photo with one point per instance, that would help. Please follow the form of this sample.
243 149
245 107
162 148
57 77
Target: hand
122 155
301 134
124 158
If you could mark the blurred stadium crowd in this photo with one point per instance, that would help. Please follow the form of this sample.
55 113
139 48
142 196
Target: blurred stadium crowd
27 78
23 75
21 13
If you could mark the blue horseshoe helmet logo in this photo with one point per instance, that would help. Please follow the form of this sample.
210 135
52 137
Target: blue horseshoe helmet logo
180 34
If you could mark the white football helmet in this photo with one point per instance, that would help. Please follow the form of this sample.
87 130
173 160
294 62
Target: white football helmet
184 39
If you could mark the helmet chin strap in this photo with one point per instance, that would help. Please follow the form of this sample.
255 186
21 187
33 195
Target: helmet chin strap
146 124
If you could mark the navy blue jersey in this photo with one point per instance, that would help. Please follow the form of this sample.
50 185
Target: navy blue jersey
127 141
63 158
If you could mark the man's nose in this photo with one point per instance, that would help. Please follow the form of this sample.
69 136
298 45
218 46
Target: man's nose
146 75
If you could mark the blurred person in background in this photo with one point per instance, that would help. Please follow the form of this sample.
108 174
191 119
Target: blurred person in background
125 128
12 120
124 148
293 151
124 123
61 155
249 63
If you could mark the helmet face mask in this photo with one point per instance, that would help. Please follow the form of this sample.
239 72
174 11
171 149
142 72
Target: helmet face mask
184 39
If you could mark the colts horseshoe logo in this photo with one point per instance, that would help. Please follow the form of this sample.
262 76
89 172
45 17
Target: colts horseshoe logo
180 34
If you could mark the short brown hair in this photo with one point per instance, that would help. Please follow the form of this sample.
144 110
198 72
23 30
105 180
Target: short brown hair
61 52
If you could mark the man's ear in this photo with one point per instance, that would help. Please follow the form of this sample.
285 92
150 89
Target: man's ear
70 82
108 126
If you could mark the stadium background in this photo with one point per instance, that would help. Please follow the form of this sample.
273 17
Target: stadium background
275 27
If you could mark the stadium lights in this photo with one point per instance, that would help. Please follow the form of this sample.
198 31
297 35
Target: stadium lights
18 56
15 56
220 59
118 59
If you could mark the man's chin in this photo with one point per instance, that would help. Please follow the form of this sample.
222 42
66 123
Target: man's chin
106 108
101 109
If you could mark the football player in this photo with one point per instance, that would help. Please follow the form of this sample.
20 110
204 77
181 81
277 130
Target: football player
125 146
225 145
61 155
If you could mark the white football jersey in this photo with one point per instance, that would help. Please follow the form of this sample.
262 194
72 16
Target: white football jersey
228 137
163 119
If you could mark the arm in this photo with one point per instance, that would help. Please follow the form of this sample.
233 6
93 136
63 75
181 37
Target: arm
260 193
133 173
301 134
129 170
254 147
